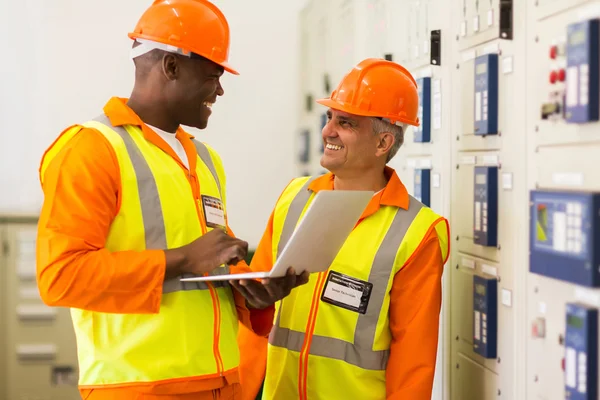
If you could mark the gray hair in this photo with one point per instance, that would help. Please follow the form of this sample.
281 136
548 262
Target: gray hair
380 126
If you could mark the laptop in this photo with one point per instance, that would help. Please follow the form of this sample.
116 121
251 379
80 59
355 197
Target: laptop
317 239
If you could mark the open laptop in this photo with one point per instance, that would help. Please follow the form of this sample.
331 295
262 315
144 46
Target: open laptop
317 240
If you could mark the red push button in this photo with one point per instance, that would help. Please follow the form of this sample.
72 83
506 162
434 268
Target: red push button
553 52
562 75
553 77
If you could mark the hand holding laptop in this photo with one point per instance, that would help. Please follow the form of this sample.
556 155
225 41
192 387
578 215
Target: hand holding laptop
261 294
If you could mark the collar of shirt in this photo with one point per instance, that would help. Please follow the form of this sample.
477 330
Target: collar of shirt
119 114
393 194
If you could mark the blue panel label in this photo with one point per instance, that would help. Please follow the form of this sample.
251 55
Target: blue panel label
582 78
562 225
422 133
486 94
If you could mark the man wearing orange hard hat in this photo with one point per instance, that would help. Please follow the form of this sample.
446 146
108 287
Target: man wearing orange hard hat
133 203
368 327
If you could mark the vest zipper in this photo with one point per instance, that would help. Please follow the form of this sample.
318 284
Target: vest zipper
213 293
310 329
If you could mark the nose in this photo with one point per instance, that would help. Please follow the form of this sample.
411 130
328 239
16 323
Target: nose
220 91
328 130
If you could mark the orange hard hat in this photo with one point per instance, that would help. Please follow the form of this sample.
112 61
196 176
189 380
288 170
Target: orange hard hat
377 88
184 27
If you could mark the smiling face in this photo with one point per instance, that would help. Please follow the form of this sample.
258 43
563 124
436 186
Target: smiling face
351 146
194 84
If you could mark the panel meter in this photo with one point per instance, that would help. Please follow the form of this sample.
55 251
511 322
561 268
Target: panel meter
486 94
563 230
581 352
485 218
423 186
423 131
582 72
485 315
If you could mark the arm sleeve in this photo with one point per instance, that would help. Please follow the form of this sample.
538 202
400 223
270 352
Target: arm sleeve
81 186
258 322
416 298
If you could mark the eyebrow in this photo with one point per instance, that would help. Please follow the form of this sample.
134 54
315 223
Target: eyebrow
351 121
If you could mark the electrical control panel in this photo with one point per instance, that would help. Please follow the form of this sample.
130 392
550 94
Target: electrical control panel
486 94
485 218
581 352
485 315
583 73
423 186
564 236
422 133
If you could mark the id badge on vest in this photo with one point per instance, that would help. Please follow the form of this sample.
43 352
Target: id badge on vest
347 292
214 212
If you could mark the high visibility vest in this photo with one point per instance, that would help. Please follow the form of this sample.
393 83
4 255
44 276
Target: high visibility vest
194 334
320 351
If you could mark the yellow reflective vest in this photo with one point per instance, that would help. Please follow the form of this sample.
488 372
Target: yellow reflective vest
317 351
194 334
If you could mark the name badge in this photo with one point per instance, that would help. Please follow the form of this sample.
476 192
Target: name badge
347 292
214 212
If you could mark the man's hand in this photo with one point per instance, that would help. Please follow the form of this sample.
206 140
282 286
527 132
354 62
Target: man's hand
205 254
263 294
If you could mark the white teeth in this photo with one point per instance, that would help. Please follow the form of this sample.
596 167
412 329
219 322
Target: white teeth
207 104
334 146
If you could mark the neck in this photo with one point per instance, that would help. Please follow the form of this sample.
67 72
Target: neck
152 110
374 180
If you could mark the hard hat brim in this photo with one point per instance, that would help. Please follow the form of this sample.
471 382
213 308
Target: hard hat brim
356 111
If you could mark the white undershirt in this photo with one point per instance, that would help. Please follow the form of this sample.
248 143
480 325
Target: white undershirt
174 143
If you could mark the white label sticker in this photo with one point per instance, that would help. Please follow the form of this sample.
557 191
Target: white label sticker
476 24
436 180
507 65
343 294
572 86
468 160
477 106
571 367
36 350
34 311
468 55
491 49
507 181
559 230
425 163
489 270
411 163
490 17
426 72
468 263
463 29
568 179
416 51
489 160
507 297
542 307
587 296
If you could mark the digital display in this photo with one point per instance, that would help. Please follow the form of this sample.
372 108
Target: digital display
481 69
542 223
574 321
480 179
480 290
577 37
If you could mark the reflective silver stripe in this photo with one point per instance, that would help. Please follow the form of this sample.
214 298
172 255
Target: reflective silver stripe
204 155
293 214
360 352
152 215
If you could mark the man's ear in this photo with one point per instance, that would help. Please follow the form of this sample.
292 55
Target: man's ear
385 143
171 66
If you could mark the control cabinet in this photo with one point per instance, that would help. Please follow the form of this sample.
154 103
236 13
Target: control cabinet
485 315
423 186
486 94
39 341
564 236
583 71
485 218
581 352
422 133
